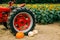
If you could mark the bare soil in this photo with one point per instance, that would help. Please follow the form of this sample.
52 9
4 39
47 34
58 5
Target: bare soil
46 32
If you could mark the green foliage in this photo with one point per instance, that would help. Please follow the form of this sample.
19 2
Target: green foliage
5 1
32 1
20 1
46 15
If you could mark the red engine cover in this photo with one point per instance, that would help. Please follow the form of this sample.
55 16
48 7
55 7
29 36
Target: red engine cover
4 9
2 17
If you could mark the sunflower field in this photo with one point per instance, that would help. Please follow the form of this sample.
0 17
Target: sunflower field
45 13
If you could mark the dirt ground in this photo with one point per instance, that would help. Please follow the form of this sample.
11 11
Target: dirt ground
46 32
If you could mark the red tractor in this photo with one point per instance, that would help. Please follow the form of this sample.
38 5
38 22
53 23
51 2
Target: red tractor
17 18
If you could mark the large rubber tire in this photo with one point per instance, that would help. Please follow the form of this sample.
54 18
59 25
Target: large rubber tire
16 12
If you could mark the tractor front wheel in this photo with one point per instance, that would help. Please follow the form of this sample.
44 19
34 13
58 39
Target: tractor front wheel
22 20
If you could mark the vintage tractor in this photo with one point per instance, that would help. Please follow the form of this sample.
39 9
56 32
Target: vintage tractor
17 18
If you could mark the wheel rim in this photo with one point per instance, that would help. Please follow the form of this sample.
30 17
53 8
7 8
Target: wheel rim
22 22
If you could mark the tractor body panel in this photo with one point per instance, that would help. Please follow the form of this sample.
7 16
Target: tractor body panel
4 14
4 9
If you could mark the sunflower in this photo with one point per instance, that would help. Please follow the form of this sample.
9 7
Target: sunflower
56 9
34 6
47 6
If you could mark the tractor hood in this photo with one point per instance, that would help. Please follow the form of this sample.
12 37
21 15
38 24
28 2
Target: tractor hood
4 9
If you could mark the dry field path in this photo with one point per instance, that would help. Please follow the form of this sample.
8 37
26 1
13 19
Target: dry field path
46 32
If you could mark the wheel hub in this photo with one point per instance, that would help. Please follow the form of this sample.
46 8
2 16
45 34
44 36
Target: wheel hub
22 21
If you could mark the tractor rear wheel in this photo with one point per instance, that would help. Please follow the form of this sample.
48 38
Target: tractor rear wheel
21 20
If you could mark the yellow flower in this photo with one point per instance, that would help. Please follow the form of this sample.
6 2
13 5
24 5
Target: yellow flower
51 6
38 8
28 5
41 6
57 9
34 6
47 6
